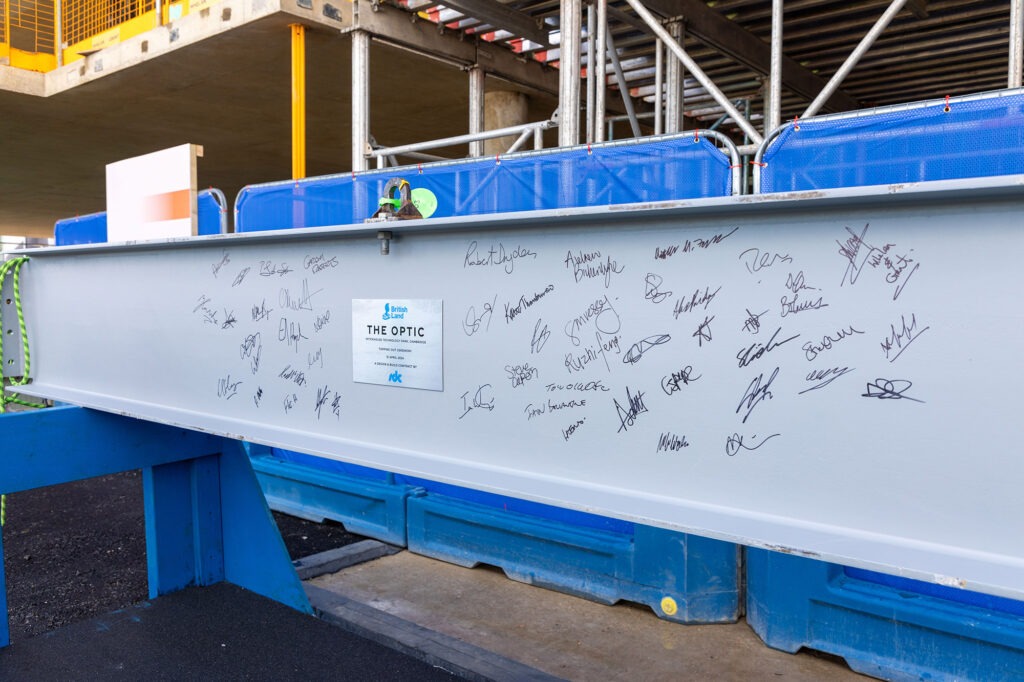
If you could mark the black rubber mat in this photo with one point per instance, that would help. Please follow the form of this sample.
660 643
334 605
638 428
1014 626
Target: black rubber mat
213 633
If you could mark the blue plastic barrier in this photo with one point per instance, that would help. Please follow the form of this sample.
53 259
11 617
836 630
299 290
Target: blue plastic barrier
893 628
884 625
592 556
675 168
92 228
976 137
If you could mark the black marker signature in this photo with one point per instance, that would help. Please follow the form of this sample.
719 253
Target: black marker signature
627 417
753 322
703 332
889 389
540 336
734 443
229 319
675 381
755 393
240 277
758 260
637 350
901 339
471 325
824 377
652 293
757 349
480 400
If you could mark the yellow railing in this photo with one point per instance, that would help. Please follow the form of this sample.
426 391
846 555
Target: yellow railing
28 28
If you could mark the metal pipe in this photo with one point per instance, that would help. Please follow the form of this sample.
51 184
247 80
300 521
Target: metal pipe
360 99
627 101
298 32
692 67
1015 73
601 85
591 76
476 108
462 139
159 12
746 166
865 44
774 113
523 137
674 88
538 138
659 86
569 73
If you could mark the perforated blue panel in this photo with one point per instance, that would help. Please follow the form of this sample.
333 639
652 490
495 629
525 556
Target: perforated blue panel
653 171
975 138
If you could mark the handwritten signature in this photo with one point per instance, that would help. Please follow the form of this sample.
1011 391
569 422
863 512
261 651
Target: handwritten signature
637 350
652 288
703 332
758 260
889 389
481 400
753 322
736 442
824 377
901 340
756 350
756 393
676 380
635 407
472 323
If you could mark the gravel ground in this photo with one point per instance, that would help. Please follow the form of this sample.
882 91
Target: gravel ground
78 550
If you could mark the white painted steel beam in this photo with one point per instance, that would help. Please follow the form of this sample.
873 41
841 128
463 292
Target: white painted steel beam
715 366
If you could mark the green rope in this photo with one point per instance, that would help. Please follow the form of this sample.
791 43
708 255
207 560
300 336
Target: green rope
14 266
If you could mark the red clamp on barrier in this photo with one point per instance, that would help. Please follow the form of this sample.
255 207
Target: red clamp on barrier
419 167
946 108
589 150
497 159
696 138
796 123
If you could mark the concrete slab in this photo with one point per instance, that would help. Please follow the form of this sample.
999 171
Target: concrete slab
562 635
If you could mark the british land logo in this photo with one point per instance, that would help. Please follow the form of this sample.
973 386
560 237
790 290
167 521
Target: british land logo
394 312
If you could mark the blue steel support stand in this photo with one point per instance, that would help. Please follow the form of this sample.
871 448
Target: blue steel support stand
206 518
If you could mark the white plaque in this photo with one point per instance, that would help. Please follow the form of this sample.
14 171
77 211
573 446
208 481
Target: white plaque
397 342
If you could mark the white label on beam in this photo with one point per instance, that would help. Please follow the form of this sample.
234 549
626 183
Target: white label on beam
397 343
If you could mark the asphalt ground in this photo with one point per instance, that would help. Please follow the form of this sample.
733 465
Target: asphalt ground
75 557
78 550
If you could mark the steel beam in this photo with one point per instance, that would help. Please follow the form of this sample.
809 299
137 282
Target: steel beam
298 34
697 72
713 29
865 44
620 79
675 88
569 73
659 87
360 99
172 349
774 113
504 17
476 109
601 93
1015 72
394 26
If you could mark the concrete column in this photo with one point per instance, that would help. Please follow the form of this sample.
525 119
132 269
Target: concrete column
503 108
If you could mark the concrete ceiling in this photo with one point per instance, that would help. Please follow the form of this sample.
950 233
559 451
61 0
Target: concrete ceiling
229 93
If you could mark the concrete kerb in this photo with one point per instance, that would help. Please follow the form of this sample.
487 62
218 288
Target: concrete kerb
429 646
335 560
